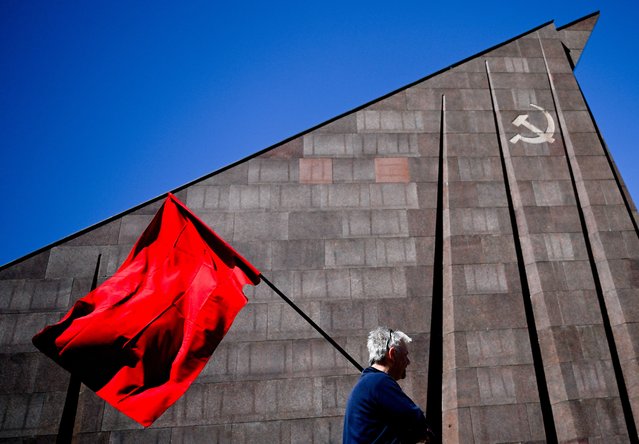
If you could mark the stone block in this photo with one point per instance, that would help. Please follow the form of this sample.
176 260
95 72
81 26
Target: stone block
519 99
257 252
428 144
395 102
389 222
415 316
501 423
389 195
507 80
379 283
208 433
216 197
472 145
491 194
140 436
315 170
353 170
290 150
346 124
479 221
488 311
251 432
397 121
457 78
530 47
314 224
586 144
237 175
475 169
392 169
415 222
427 195
348 196
498 347
18 373
538 168
246 197
553 219
356 223
553 193
594 168
102 234
285 323
328 145
469 122
264 170
419 281
423 99
260 226
424 169
558 246
250 323
565 81
298 254
32 267
220 222
389 144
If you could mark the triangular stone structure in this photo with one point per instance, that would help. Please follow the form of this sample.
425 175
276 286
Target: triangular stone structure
477 209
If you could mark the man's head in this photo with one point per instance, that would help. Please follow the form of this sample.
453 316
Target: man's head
389 348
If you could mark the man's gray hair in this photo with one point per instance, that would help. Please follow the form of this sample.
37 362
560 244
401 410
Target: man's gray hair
381 340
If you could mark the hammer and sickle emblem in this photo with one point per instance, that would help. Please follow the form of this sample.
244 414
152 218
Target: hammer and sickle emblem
542 136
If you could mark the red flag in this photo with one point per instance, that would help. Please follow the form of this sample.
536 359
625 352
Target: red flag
142 337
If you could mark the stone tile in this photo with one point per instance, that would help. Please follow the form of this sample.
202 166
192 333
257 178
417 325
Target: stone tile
314 224
236 175
263 170
586 144
346 124
389 195
103 234
469 145
470 122
260 226
389 144
289 150
315 171
475 169
565 81
353 170
30 267
423 169
456 78
207 433
553 193
395 102
501 423
489 311
594 168
498 347
479 221
132 227
392 169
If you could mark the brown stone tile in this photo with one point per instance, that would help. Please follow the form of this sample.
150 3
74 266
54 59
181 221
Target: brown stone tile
316 171
392 169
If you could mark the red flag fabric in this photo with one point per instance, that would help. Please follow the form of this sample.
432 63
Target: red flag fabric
142 337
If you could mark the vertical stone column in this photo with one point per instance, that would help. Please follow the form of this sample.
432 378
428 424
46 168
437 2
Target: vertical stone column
490 389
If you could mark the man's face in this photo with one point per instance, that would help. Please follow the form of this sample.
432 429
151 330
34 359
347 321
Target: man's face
399 361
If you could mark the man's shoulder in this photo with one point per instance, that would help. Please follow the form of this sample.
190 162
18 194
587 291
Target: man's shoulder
371 375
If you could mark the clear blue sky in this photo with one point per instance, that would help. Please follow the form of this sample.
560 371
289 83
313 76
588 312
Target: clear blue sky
107 104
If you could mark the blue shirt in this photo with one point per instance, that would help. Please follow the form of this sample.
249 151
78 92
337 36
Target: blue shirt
379 412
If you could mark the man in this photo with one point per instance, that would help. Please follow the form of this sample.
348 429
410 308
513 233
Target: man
378 411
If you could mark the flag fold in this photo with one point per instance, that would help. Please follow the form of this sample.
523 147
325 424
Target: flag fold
141 338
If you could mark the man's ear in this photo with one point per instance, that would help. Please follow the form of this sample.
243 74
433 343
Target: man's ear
392 353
